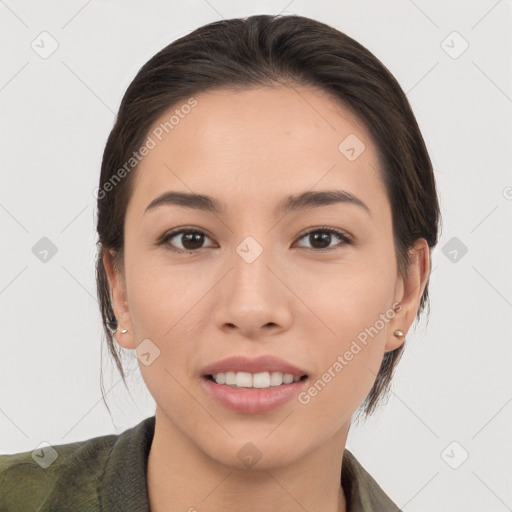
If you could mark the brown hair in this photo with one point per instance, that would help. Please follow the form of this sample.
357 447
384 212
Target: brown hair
265 50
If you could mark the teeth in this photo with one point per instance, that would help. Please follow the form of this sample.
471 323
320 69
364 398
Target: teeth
261 380
257 380
287 378
243 380
221 378
276 378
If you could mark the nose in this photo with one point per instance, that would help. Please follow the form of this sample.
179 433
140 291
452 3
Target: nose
253 297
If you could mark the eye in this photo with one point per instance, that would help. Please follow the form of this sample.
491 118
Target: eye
191 240
321 238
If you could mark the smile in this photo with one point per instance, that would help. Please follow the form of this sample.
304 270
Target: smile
254 380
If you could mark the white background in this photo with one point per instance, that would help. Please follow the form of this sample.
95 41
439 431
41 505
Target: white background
453 383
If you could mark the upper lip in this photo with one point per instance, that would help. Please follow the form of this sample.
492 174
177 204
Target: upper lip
264 363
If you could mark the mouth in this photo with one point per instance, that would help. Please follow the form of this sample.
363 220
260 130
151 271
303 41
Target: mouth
248 393
260 380
253 385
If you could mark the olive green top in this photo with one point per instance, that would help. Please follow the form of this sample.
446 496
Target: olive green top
108 474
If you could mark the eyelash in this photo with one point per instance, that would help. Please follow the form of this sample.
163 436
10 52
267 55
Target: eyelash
343 236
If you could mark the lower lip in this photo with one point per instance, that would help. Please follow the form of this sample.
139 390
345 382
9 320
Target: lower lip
251 400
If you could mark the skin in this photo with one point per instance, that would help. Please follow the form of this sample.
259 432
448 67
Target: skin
250 149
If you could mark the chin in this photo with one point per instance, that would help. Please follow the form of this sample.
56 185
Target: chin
254 449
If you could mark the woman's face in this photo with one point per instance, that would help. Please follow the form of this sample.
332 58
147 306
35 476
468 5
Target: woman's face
254 282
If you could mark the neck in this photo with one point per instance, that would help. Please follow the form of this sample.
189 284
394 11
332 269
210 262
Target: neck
181 477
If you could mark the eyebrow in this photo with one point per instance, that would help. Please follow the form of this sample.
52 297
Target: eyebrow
303 201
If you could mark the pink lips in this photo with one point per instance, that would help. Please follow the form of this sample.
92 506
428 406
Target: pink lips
250 400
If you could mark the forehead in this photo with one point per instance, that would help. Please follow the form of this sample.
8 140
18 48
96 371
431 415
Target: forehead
261 142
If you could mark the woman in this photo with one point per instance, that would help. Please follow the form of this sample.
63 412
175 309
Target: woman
266 215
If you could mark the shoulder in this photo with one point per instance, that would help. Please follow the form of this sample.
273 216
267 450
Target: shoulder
28 479
363 493
102 473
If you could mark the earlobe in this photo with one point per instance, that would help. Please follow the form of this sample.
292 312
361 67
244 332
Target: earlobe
124 337
397 339
124 332
413 286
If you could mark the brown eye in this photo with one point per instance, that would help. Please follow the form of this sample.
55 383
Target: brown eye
321 238
190 240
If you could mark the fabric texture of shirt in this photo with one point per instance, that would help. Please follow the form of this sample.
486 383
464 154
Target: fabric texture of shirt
108 474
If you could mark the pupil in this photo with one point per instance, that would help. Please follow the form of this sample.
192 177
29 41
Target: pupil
323 238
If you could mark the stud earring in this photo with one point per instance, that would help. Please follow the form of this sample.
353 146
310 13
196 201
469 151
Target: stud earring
114 327
398 333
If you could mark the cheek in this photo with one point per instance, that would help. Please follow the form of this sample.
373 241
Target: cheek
171 306
161 296
353 308
164 308
347 297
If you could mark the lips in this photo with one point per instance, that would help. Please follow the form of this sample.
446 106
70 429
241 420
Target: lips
259 397
264 363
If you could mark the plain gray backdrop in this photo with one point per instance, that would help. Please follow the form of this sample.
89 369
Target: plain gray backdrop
443 440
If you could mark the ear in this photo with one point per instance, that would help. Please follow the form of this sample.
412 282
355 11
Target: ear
409 292
117 284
